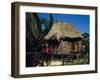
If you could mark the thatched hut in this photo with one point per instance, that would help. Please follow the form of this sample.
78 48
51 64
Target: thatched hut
69 39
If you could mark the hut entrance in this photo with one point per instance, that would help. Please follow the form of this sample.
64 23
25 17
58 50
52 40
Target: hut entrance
75 49
73 46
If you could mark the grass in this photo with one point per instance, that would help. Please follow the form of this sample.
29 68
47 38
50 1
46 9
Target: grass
82 60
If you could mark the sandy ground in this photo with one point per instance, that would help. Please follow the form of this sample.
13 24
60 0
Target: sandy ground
71 62
55 63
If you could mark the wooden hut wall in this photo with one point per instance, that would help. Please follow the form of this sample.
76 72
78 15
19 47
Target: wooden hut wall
76 47
64 47
80 46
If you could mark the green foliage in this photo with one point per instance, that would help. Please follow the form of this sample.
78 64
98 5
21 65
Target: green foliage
34 32
31 24
38 22
85 42
48 23
33 28
85 35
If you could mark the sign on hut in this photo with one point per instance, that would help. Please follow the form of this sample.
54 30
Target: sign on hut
69 39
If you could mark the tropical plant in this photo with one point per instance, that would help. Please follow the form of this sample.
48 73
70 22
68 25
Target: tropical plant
33 29
48 23
85 42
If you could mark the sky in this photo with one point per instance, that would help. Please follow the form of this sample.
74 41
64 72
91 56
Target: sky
80 22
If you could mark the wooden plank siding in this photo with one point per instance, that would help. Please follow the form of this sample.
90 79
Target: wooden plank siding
76 46
66 47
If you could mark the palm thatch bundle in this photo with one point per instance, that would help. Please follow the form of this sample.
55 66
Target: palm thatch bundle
61 30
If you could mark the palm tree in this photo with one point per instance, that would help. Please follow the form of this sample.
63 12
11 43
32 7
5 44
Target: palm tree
36 17
48 23
33 29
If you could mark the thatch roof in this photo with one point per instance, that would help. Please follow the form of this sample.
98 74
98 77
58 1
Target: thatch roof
63 30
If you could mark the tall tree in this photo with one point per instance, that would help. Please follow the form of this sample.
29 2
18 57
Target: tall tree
32 29
38 22
32 24
48 23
